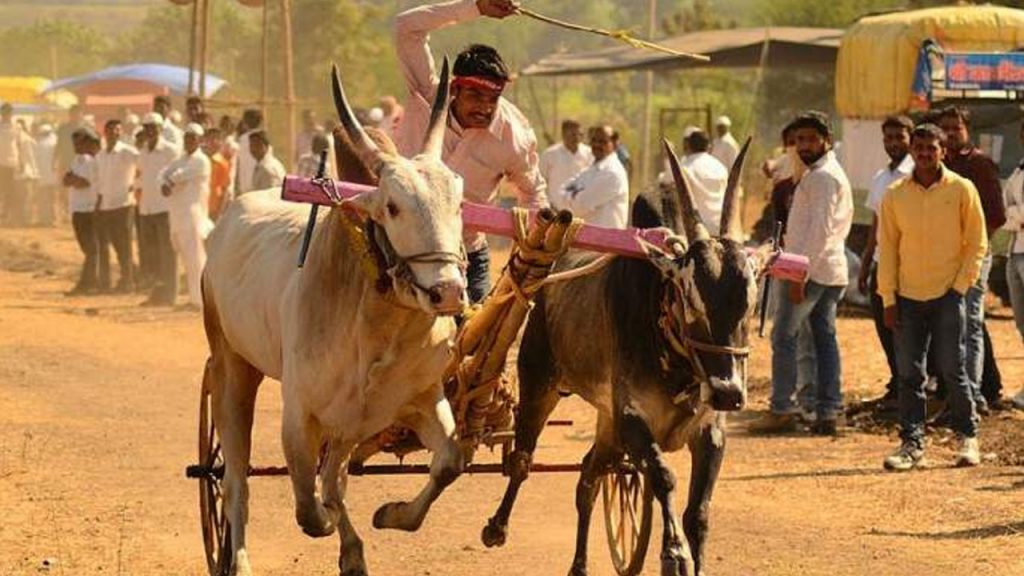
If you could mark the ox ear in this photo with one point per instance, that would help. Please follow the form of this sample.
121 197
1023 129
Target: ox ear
362 205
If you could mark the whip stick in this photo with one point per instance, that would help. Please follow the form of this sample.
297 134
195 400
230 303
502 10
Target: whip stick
307 236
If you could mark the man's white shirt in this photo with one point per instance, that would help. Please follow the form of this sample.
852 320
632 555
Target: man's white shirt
116 172
881 182
599 194
709 179
725 149
151 164
558 165
83 199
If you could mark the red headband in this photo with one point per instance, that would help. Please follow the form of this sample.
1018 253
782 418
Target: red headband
478 82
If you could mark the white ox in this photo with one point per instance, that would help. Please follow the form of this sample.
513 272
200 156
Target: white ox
352 360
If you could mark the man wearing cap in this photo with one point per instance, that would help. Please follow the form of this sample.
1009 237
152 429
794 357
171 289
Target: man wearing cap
724 146
186 184
819 222
81 181
157 262
488 139
116 166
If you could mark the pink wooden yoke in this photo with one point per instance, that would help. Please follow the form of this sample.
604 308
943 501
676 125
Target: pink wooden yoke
498 221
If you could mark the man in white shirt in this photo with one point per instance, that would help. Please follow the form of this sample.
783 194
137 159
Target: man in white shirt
157 262
819 222
1013 197
896 141
599 194
724 147
488 139
10 165
116 164
245 164
563 161
186 183
708 178
81 181
269 172
170 132
46 187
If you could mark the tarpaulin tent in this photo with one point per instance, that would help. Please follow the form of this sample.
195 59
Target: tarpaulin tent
878 55
162 77
733 48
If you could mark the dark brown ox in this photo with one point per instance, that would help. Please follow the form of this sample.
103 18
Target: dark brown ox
659 348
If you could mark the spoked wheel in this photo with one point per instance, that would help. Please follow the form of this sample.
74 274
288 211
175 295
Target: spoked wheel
213 517
627 516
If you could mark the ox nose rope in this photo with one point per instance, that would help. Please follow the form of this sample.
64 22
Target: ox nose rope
398 267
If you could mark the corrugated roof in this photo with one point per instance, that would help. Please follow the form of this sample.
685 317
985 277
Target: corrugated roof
739 47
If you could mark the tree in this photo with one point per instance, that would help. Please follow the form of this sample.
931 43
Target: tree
33 50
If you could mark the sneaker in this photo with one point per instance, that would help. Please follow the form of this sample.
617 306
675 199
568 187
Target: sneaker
772 423
908 457
969 454
1018 400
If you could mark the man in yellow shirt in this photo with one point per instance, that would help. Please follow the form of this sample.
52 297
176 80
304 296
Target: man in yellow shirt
932 241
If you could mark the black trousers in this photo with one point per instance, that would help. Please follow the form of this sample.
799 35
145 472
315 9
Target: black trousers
84 225
885 336
115 230
7 196
157 260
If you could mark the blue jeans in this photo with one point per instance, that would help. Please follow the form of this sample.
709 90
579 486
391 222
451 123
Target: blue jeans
974 339
1015 279
478 275
941 320
819 309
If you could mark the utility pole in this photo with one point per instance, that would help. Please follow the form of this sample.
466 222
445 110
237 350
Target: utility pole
645 147
192 47
204 48
289 78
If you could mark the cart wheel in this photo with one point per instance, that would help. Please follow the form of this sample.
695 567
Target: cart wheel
213 517
627 516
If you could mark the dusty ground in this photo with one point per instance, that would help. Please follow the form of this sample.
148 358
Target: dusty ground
98 417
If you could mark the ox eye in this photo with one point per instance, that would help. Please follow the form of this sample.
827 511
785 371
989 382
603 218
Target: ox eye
392 209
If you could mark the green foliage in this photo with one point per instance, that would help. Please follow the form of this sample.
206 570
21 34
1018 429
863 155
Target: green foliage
32 50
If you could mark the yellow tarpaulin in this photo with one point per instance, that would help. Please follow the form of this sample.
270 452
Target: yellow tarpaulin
22 89
878 54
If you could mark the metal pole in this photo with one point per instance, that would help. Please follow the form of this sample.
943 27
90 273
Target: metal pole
204 48
192 46
264 60
645 156
289 78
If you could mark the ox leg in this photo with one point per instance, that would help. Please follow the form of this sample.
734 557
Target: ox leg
641 446
534 409
334 482
233 384
300 438
595 465
706 452
435 427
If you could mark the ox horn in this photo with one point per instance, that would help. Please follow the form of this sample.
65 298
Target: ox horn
364 146
434 143
693 225
729 205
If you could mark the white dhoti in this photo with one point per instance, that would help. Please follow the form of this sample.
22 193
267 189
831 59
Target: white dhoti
189 225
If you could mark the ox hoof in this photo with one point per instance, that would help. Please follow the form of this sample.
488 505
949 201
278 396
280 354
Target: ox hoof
493 534
240 565
316 522
675 564
395 516
354 572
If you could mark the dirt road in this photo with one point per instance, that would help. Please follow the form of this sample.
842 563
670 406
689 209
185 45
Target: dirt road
98 414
